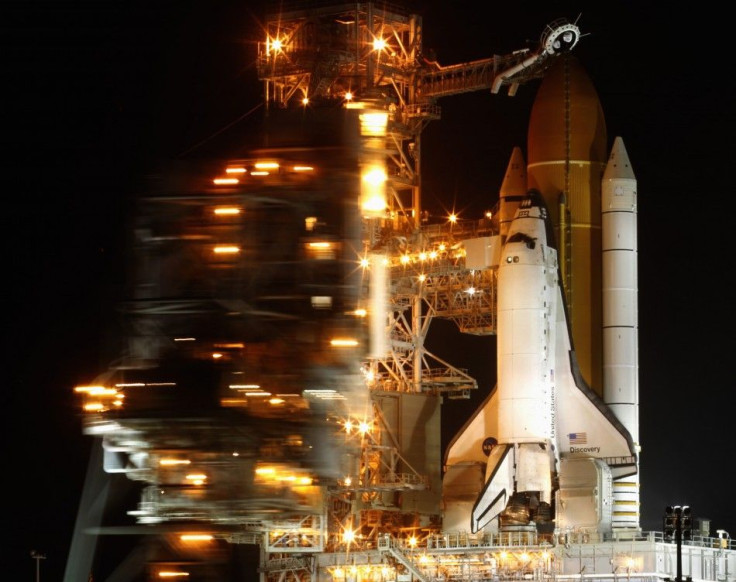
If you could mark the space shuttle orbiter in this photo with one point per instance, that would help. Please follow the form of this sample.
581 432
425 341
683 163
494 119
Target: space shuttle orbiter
547 435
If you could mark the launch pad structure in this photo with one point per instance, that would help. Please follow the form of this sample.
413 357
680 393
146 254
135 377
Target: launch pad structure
276 390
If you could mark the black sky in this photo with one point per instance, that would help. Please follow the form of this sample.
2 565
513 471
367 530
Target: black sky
99 93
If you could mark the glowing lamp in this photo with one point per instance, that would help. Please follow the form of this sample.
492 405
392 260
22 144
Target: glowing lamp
373 191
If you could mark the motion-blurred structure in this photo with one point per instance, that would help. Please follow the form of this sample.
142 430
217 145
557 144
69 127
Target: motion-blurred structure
276 390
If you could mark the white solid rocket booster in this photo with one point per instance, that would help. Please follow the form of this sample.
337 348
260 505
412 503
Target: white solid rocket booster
620 315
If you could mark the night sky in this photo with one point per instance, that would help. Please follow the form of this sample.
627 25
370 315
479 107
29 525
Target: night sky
98 94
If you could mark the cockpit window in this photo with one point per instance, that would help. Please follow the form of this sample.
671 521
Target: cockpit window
523 237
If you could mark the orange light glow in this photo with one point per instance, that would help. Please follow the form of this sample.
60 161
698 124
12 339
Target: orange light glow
266 165
196 537
226 249
227 210
95 390
274 44
343 342
225 181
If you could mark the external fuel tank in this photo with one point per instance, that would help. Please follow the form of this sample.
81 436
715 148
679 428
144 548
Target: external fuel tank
566 157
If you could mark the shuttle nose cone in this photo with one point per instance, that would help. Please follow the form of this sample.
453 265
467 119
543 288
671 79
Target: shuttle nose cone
567 118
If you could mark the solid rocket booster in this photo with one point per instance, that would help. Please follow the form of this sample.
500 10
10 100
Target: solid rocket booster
566 156
620 316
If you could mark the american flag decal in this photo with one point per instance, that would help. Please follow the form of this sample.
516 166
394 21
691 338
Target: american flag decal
578 438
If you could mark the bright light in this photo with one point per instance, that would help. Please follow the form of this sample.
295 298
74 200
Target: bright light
348 96
375 176
422 278
305 101
319 245
96 390
226 250
373 190
225 181
343 342
260 173
216 355
413 542
235 170
453 218
274 44
303 168
364 427
227 210
373 123
360 312
172 574
379 44
196 537
405 259
266 165
348 536
365 263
